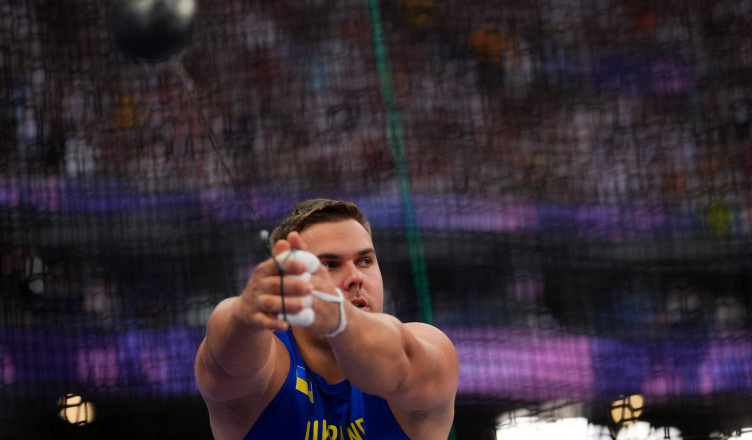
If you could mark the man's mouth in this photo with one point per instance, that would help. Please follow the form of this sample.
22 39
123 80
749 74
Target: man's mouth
360 303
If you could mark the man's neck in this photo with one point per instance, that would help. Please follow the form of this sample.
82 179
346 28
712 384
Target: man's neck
318 355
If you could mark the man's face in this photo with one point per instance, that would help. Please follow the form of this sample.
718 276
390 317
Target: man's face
345 248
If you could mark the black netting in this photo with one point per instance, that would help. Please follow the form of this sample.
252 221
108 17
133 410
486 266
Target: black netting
562 186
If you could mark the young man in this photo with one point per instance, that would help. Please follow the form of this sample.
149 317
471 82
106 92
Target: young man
352 373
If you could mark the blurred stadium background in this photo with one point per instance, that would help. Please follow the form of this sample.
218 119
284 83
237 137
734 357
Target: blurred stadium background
563 186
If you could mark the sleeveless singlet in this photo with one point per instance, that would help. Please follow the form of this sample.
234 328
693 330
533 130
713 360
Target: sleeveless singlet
309 408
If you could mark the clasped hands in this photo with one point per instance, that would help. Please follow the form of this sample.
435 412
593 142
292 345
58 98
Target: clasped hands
293 288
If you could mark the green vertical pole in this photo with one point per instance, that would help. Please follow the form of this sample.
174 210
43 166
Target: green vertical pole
394 136
396 143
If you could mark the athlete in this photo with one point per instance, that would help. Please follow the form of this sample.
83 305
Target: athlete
343 371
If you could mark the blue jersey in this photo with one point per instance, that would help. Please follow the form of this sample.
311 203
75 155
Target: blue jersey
308 408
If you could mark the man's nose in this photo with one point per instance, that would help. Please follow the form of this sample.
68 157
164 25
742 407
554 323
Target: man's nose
354 277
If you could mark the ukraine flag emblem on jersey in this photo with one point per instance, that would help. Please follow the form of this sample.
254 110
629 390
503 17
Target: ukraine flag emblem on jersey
302 384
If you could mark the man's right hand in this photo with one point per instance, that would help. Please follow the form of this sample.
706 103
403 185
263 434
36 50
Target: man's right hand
260 303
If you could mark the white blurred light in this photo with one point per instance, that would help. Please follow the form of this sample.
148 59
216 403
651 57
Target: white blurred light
533 428
143 5
673 434
559 419
745 434
526 427
643 431
186 8
35 272
634 431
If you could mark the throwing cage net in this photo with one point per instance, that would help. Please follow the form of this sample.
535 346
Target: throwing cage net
563 187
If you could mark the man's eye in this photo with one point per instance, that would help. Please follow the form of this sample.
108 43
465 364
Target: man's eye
328 264
365 262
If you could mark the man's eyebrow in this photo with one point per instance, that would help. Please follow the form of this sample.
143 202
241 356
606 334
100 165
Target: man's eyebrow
366 251
332 256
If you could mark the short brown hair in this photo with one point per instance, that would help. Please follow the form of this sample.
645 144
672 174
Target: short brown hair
313 211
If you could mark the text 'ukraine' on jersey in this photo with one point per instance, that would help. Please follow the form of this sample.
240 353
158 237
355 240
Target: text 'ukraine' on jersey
309 408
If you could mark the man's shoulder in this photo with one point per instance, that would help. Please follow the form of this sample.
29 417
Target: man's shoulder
430 333
233 418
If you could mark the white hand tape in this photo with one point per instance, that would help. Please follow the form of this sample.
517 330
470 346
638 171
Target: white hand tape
305 276
307 316
304 318
311 261
307 301
339 298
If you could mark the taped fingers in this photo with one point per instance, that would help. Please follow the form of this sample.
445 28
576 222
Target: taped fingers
273 304
269 309
307 316
304 318
271 267
291 286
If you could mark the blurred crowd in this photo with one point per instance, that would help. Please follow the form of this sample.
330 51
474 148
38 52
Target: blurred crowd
598 101
573 102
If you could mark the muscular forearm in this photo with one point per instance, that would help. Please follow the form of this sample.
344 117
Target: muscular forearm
375 351
240 353
231 348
